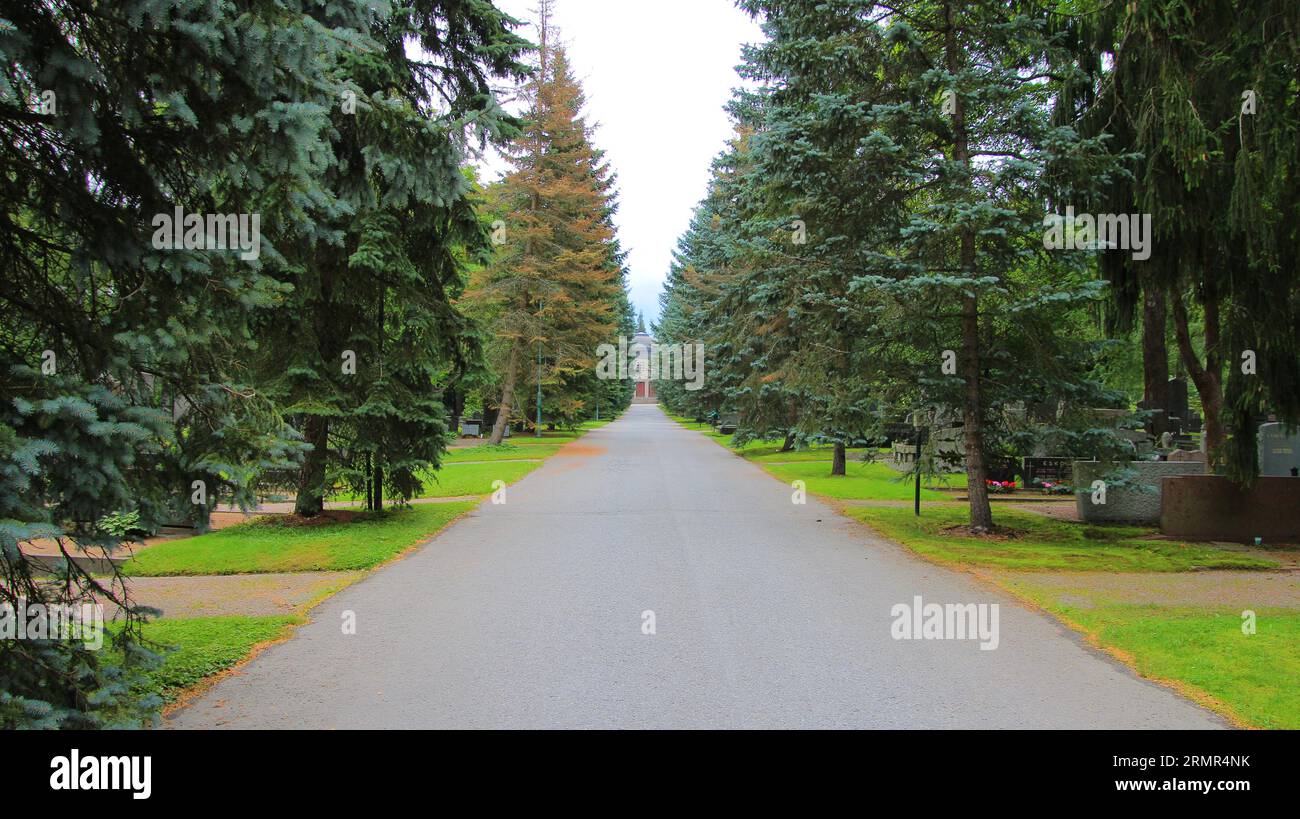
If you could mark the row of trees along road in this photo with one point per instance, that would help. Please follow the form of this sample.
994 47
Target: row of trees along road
128 373
556 288
880 214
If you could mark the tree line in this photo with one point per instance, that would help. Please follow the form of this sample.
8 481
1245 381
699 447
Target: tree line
156 360
875 239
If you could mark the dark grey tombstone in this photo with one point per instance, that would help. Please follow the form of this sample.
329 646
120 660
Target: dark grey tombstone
1176 403
1279 452
728 422
1056 470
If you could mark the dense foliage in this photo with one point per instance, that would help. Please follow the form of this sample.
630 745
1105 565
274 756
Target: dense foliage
874 246
142 380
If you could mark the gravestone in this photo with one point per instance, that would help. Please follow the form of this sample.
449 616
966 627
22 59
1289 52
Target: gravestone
728 422
1137 503
899 432
1001 469
1053 470
1143 444
1176 403
950 449
1157 411
1279 452
1045 411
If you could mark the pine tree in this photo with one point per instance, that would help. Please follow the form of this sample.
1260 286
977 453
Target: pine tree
133 377
554 292
362 349
914 142
122 362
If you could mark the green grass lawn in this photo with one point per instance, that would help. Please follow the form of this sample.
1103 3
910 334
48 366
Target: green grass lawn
522 445
455 480
1248 673
504 452
861 481
203 646
1253 675
769 452
1047 544
267 545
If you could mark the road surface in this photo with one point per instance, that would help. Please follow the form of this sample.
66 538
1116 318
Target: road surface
766 614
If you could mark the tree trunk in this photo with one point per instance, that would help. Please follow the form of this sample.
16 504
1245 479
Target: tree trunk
788 444
1208 378
454 402
838 463
370 493
507 397
377 473
1155 358
981 515
310 500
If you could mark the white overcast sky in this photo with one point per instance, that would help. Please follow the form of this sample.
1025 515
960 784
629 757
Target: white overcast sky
656 75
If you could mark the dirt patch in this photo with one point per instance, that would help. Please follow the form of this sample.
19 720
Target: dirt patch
325 518
246 594
1061 511
1214 588
580 450
997 533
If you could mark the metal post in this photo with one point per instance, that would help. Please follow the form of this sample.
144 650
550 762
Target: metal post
916 467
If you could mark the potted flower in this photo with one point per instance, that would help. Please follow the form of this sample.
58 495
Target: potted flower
1053 488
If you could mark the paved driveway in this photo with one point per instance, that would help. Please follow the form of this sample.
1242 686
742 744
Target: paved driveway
767 614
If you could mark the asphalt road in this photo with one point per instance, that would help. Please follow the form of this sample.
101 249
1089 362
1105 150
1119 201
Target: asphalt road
767 614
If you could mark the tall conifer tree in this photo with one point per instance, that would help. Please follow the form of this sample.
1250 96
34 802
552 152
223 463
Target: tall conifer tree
554 291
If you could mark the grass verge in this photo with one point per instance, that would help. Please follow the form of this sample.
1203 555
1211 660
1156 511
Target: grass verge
502 452
455 480
1041 543
861 481
203 646
1200 651
269 545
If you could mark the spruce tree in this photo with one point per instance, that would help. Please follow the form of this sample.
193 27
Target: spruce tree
914 141
361 350
125 393
554 290
133 372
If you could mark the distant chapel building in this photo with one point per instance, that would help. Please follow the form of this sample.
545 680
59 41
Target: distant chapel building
642 348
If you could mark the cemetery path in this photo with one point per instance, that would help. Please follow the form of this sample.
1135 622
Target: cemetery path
766 614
